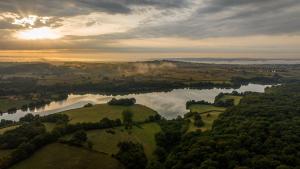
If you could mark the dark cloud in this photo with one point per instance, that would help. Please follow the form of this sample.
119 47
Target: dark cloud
6 24
227 18
77 7
210 18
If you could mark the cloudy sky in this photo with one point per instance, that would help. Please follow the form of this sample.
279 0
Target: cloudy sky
137 29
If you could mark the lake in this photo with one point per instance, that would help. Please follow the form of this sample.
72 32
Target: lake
168 104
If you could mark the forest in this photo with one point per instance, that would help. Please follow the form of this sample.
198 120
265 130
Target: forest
262 132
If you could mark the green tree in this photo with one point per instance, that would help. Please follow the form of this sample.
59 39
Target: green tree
90 144
79 137
127 119
132 155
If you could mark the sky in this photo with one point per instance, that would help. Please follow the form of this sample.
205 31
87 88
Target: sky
100 30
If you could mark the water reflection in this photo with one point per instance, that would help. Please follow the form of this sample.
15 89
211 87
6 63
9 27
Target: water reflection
168 104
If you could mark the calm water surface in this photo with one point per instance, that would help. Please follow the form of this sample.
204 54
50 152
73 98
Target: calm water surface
168 104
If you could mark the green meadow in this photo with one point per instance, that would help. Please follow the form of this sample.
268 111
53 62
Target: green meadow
207 118
98 112
208 113
201 108
3 130
107 142
60 156
236 99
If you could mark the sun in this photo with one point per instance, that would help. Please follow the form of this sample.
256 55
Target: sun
38 34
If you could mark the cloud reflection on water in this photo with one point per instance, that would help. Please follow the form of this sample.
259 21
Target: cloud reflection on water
168 104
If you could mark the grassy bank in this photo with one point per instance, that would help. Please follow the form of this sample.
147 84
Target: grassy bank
98 112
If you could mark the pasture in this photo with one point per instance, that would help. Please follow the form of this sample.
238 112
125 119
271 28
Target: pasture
209 113
3 130
98 112
236 99
60 156
107 142
201 108
207 118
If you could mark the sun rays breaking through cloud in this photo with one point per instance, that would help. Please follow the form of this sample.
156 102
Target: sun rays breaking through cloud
185 27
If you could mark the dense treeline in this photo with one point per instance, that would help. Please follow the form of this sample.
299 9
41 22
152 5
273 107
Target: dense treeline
52 118
35 101
169 137
219 102
224 103
21 86
114 87
191 102
5 123
262 132
78 138
13 138
122 102
260 79
132 155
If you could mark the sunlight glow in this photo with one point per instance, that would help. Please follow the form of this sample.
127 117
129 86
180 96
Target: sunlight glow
38 33
30 20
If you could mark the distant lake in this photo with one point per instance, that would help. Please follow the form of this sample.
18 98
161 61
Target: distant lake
168 104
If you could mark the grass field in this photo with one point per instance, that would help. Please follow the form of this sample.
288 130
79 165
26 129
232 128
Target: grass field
49 126
4 153
60 156
98 112
236 99
207 119
209 114
200 108
107 142
2 130
213 112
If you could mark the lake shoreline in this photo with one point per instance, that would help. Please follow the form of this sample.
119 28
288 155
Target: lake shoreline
168 108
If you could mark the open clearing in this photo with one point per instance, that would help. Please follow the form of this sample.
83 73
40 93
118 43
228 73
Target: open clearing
106 142
98 112
209 114
207 118
4 153
200 108
60 156
49 126
236 99
3 130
